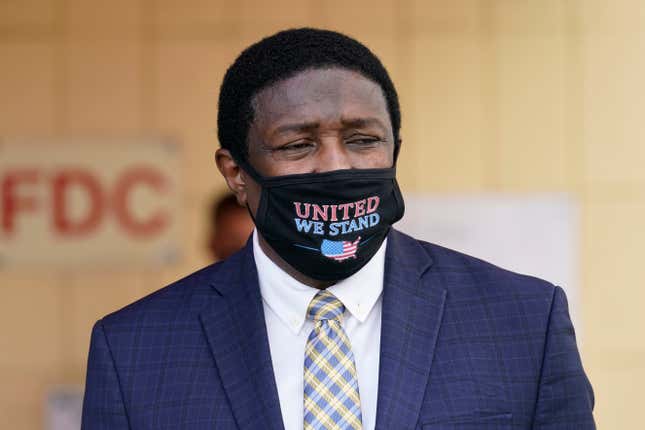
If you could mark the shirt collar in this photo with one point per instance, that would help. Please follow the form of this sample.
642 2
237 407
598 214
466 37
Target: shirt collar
289 298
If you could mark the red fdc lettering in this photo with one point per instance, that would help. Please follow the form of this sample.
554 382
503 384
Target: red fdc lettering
12 203
131 178
61 185
16 200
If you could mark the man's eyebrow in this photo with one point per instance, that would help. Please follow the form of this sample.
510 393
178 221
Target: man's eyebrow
299 126
347 122
364 122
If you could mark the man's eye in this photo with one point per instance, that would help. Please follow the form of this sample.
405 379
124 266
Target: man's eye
298 146
364 141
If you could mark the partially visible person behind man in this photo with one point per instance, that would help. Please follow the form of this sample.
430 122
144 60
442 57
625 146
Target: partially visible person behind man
230 227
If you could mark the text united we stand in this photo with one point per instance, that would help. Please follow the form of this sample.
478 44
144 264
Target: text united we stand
334 220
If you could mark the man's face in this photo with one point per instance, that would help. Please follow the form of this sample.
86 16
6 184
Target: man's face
318 121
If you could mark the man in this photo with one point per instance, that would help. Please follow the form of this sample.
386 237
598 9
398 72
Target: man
328 318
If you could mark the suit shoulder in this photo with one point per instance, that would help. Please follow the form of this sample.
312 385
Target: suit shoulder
184 296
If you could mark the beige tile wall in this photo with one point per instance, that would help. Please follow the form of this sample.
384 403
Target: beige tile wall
497 95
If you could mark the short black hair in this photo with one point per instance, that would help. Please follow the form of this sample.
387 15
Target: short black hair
282 56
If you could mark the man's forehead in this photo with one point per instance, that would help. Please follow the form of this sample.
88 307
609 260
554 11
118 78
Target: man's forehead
321 92
313 79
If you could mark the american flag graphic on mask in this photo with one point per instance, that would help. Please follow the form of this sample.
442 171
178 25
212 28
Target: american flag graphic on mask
339 250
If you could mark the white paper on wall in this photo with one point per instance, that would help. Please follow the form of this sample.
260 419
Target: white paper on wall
533 234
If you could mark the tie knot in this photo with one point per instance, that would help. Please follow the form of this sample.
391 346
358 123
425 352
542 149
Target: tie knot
325 306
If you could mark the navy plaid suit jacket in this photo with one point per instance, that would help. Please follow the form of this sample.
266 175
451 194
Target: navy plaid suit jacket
464 345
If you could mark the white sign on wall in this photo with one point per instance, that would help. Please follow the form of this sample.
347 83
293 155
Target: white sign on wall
531 234
88 202
64 408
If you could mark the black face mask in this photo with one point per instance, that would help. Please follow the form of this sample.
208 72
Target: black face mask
328 225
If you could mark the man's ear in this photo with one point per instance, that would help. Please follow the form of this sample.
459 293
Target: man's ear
232 174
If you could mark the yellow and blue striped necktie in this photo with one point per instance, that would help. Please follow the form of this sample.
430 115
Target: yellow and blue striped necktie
331 398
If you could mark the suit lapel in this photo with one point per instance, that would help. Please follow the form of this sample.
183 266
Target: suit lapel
235 327
411 317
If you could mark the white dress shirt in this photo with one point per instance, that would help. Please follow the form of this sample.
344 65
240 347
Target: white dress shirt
285 306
